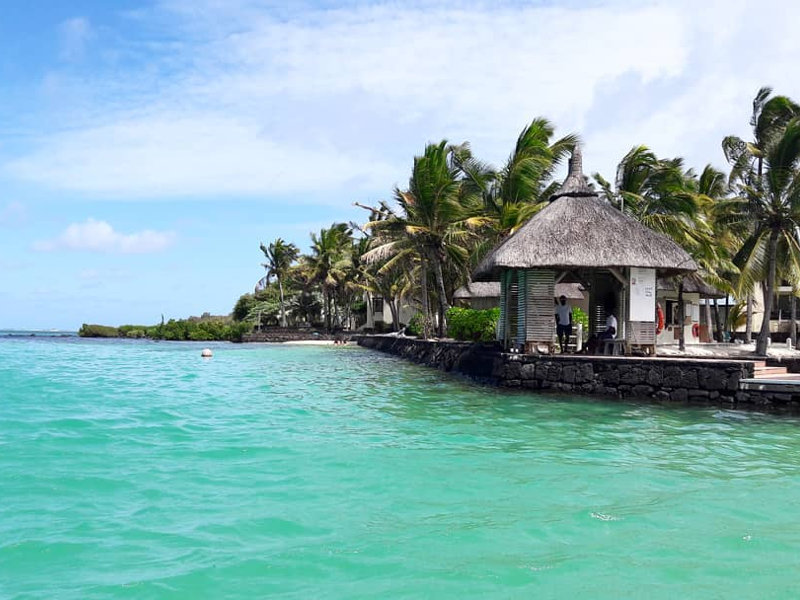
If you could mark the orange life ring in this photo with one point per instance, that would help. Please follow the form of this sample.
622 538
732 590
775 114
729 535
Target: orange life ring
696 330
659 319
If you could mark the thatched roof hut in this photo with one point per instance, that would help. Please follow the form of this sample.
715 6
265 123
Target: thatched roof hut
578 229
491 289
580 237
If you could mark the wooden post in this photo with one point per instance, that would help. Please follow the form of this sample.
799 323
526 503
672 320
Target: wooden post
522 303
501 322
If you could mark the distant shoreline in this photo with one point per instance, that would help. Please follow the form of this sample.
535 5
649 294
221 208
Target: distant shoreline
15 333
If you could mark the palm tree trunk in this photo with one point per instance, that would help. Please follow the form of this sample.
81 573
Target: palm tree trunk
283 312
327 300
763 335
442 297
395 317
793 319
708 320
748 327
717 322
681 318
728 327
426 312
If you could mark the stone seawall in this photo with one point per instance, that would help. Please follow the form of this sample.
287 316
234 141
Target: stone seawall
277 334
696 381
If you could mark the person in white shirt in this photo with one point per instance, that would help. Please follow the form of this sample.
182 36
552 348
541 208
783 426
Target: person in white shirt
563 323
611 327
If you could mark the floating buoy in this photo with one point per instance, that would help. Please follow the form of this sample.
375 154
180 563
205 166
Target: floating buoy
206 353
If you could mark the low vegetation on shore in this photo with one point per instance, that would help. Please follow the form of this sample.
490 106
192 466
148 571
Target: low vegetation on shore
198 330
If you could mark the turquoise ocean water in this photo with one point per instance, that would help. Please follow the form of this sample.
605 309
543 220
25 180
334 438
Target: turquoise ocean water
140 470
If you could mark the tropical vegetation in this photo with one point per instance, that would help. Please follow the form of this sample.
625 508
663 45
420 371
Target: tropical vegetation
741 228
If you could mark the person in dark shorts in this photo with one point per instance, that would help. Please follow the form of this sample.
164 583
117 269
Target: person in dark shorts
563 323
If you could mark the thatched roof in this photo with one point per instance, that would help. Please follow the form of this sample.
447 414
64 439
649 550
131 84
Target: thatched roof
692 284
575 184
578 229
491 289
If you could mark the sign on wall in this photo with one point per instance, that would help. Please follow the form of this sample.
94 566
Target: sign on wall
642 294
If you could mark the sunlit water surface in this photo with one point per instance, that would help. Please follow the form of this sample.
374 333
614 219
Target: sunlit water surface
140 470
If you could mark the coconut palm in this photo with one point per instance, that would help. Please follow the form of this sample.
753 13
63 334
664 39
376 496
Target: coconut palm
513 194
435 223
655 192
328 262
280 257
715 256
660 194
770 203
769 117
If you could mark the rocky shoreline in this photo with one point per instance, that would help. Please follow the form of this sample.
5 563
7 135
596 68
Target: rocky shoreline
676 380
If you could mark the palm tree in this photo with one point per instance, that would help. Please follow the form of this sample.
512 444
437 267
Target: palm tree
435 222
715 260
513 194
659 193
770 115
770 202
328 261
280 257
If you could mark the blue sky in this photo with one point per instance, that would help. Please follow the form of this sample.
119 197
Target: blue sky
146 148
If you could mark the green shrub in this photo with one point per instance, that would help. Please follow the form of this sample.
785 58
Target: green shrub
98 331
414 326
132 331
472 325
578 316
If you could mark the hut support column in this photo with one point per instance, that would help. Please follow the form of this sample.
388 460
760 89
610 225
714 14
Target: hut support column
522 302
502 322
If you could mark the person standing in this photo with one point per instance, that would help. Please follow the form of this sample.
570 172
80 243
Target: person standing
563 323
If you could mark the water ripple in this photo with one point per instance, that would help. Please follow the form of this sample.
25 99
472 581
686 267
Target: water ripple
135 469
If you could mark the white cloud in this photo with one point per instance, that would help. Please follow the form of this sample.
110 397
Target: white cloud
74 35
248 102
197 154
99 236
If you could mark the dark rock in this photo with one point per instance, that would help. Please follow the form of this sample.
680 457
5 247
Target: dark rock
711 379
527 372
632 375
679 395
610 377
672 377
586 373
655 377
554 372
689 379
733 381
